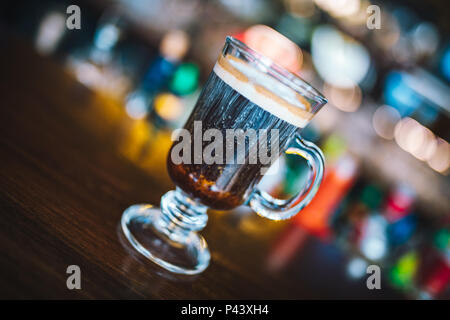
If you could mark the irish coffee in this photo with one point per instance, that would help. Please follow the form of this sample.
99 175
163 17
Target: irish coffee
238 96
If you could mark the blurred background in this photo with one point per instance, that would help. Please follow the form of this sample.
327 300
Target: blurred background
385 198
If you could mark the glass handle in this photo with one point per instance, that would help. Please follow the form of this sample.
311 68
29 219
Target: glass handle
278 209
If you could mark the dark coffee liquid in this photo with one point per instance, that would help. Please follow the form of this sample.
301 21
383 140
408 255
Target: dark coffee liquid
226 186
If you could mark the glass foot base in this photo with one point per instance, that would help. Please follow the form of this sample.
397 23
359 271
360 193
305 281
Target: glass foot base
170 247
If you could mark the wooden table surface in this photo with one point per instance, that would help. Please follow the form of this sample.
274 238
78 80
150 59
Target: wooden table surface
72 161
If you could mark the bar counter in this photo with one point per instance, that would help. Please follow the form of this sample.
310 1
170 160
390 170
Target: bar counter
71 162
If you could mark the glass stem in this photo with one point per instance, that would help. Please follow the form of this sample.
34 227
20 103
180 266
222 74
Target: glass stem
181 215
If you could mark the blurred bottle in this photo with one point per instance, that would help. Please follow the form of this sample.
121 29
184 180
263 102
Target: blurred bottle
182 89
397 211
315 217
50 32
360 207
98 65
394 225
172 50
110 29
434 273
374 244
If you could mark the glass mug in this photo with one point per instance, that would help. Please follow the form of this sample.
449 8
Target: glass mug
245 92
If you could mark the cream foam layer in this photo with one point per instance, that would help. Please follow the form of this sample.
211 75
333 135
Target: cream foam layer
245 79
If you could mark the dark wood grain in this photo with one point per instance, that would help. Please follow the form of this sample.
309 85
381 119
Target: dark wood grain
69 167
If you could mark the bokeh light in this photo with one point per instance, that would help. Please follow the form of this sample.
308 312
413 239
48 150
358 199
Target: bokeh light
410 135
275 46
50 32
168 106
420 141
174 45
384 120
356 268
106 36
425 38
136 105
374 243
339 8
301 8
339 60
440 160
346 99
